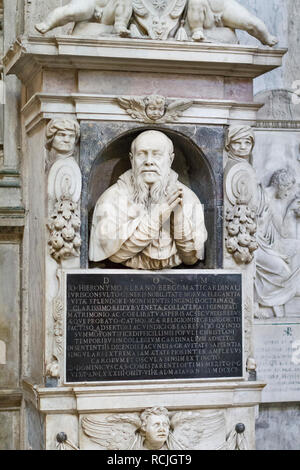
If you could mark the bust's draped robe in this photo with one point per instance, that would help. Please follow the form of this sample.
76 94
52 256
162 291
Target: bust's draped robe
124 231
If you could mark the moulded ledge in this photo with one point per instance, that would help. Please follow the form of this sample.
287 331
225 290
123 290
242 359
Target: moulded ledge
106 108
118 396
29 54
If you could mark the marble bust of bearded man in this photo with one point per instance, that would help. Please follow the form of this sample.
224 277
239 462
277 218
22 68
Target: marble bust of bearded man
148 219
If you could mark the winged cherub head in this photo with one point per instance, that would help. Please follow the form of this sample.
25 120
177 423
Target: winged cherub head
155 427
155 107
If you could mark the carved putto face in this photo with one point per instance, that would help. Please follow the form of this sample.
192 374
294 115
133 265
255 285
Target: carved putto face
155 107
157 431
283 183
283 191
151 156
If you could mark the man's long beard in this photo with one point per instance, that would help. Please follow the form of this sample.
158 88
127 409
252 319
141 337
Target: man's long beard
148 195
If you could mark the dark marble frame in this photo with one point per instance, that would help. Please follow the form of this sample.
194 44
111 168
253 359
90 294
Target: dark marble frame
104 149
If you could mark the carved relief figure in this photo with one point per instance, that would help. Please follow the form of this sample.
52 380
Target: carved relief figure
239 144
277 259
116 13
154 108
64 189
154 429
205 14
158 19
148 219
62 134
157 429
240 185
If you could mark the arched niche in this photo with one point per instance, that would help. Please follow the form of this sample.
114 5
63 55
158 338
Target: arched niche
191 164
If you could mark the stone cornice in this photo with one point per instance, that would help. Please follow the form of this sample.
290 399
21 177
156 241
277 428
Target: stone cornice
106 108
29 54
118 397
277 124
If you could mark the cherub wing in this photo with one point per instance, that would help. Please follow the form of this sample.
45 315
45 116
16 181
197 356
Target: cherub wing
187 429
203 429
117 432
134 106
140 8
176 108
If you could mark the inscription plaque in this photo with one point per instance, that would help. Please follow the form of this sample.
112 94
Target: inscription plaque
129 326
277 353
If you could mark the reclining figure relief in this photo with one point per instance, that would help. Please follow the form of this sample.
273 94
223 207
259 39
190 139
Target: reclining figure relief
116 13
205 14
158 20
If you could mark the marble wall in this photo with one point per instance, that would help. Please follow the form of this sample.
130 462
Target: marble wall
282 18
278 427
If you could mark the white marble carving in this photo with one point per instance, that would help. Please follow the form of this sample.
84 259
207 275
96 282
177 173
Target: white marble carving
212 20
158 429
278 257
153 108
208 14
240 188
64 190
148 219
157 18
112 15
64 226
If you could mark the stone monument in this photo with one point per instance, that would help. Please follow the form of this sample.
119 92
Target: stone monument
143 225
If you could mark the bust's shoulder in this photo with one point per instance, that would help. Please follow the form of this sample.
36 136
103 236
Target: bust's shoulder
189 194
121 188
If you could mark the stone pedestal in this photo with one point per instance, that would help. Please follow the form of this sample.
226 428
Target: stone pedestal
86 80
